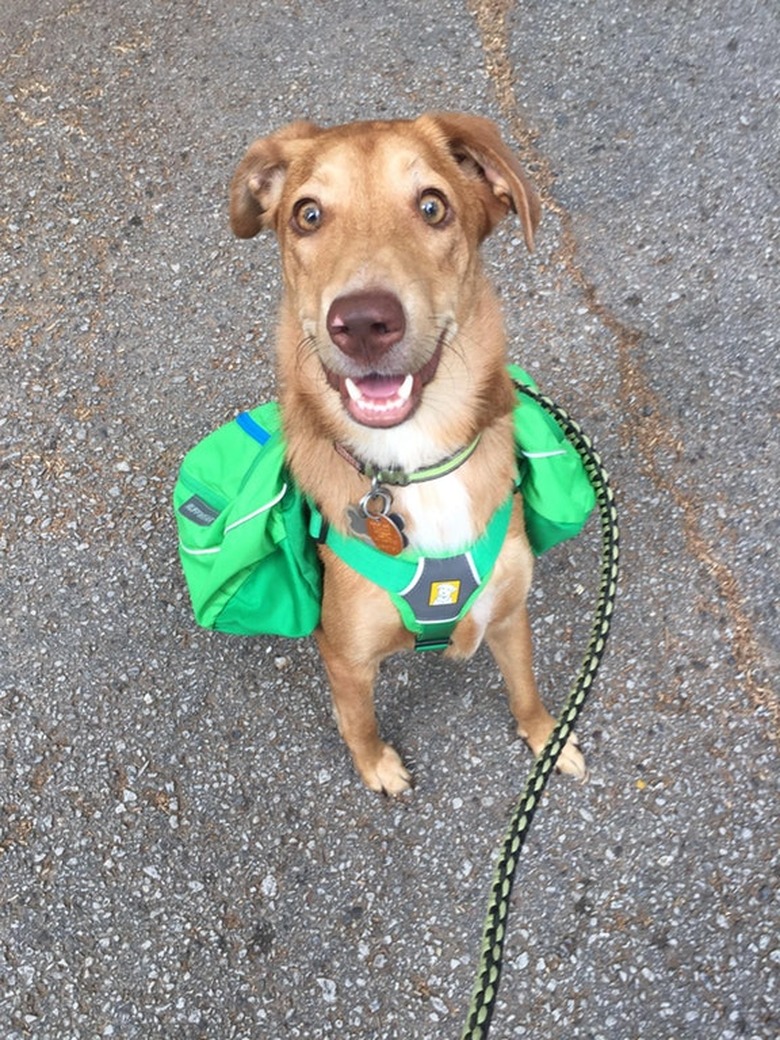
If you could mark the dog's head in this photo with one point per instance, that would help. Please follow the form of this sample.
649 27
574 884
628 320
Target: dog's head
379 225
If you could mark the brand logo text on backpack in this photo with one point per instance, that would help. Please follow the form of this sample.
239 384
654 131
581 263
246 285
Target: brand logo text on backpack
198 511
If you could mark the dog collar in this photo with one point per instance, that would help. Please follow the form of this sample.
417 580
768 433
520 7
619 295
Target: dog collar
399 477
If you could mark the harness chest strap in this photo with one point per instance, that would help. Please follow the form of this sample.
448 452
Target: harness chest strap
431 593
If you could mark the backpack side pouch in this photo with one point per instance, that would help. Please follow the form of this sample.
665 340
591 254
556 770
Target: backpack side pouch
557 494
250 566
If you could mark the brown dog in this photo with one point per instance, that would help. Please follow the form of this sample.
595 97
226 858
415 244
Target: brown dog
392 357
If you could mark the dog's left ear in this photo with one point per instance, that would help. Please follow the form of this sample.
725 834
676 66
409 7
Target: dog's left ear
477 145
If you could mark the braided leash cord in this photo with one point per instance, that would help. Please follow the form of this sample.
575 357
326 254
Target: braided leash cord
489 971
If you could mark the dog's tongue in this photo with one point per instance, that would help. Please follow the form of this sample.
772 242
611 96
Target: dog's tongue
379 387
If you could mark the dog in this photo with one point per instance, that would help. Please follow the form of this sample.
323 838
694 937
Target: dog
392 361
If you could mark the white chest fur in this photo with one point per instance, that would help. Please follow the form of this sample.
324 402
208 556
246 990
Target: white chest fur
438 514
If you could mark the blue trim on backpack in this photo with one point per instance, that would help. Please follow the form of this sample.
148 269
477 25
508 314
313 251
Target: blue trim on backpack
254 429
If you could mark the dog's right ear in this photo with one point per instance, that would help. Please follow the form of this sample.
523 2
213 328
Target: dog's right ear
257 184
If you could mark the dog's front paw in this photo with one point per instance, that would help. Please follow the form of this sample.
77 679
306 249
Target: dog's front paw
386 774
570 761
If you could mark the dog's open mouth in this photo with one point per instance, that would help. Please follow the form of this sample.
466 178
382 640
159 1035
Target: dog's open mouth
380 400
384 400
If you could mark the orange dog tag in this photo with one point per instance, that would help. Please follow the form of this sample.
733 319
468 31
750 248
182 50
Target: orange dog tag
373 522
385 534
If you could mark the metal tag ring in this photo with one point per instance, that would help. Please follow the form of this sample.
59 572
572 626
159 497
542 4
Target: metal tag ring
376 493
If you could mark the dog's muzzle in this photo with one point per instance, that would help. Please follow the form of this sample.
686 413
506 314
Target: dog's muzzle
366 327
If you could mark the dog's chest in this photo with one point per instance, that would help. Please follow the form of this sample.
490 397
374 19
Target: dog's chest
438 515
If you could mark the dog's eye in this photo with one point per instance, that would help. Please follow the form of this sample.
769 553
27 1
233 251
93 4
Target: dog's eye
307 215
433 207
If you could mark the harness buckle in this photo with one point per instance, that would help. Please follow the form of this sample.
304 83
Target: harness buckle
431 643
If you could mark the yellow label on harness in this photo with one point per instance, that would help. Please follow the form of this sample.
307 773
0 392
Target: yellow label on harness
444 593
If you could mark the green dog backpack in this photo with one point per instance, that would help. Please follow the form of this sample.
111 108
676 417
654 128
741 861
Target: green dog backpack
248 559
251 565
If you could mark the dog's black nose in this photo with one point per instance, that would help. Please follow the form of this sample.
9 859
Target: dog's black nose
366 325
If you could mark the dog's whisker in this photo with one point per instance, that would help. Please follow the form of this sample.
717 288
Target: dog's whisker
306 344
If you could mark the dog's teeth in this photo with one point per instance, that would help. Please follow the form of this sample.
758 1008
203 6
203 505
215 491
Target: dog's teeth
405 389
352 390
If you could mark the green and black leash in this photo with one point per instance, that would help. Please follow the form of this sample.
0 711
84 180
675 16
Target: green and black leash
494 932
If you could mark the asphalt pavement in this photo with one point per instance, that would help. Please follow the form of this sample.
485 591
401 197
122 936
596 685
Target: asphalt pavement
185 851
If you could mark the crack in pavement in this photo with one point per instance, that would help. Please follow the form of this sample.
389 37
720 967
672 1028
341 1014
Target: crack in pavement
646 425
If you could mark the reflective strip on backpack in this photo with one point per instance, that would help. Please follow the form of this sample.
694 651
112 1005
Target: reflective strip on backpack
199 552
257 512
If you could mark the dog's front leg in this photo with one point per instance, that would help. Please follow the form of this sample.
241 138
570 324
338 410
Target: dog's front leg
509 640
352 676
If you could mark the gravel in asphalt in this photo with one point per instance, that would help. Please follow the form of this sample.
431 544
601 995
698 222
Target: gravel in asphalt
185 851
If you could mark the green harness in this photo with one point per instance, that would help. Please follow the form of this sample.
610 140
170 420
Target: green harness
431 593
